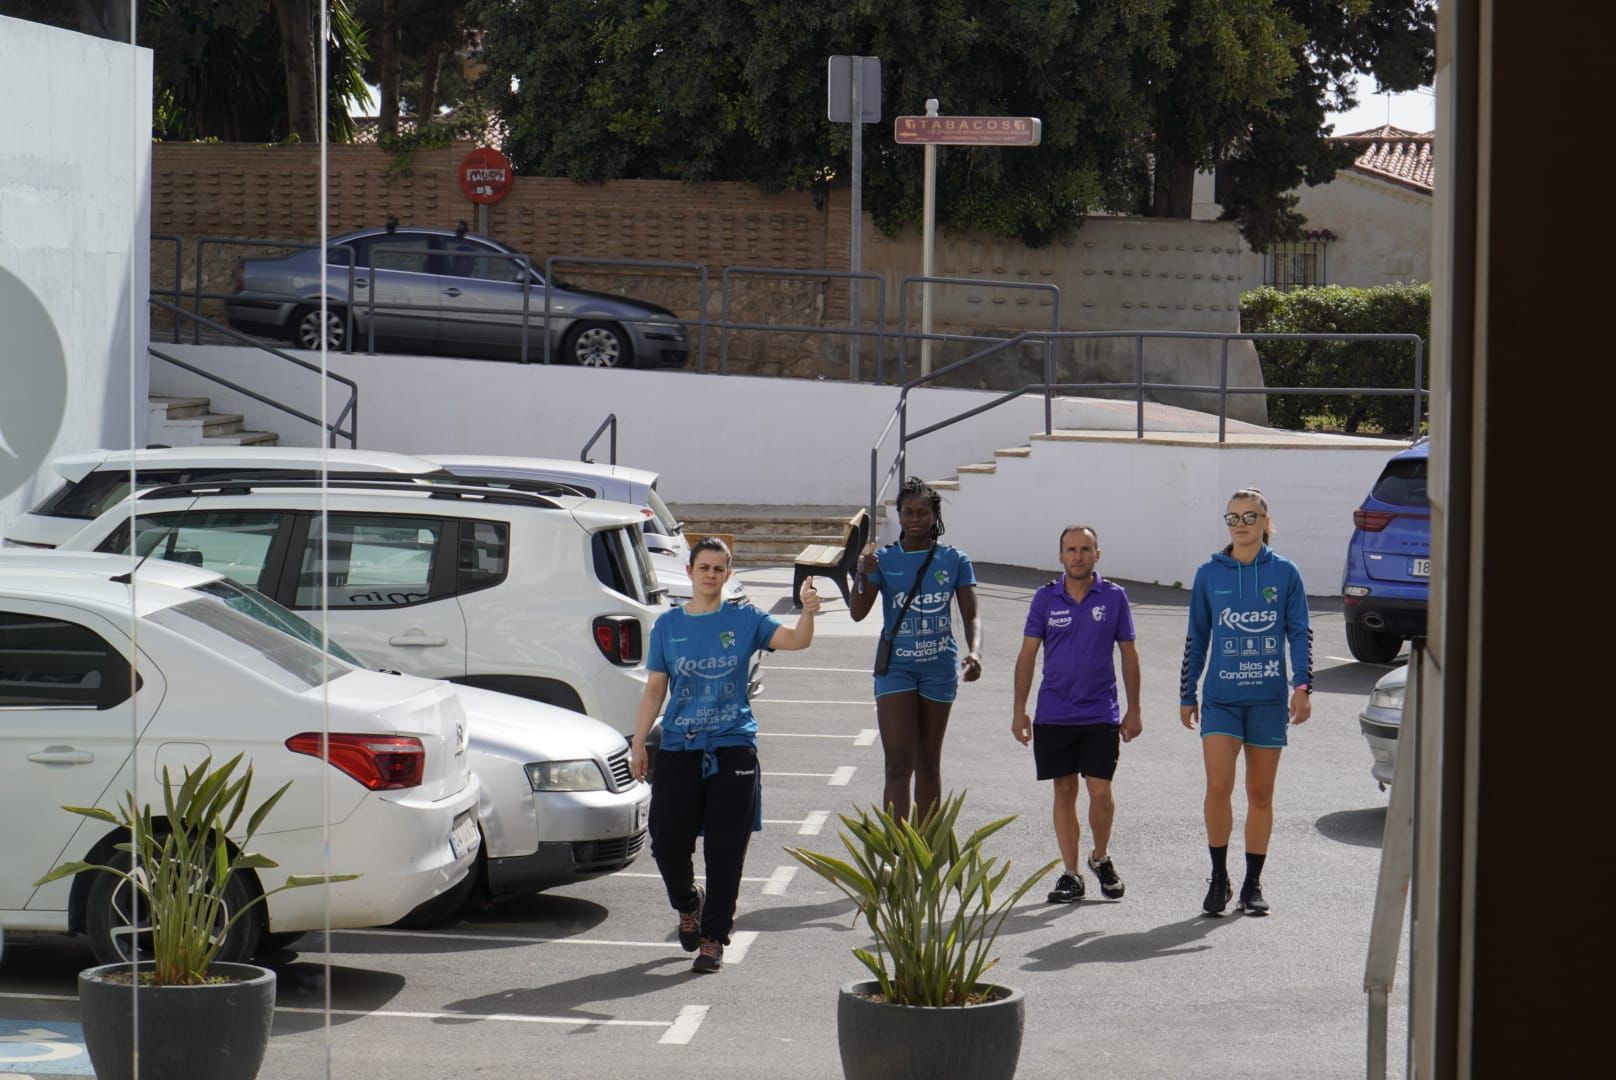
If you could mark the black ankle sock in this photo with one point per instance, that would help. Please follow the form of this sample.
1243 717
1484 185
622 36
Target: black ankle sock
1220 859
1254 865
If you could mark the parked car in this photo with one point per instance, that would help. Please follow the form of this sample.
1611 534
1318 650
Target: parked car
97 480
395 799
547 598
447 291
1382 720
1387 580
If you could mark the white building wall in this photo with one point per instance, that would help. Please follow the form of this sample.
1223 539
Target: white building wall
1382 230
75 222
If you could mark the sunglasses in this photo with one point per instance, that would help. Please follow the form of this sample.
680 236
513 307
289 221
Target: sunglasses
1250 517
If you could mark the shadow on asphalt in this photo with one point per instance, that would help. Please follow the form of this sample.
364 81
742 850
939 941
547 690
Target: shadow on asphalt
1098 947
831 915
553 914
1356 679
301 985
567 997
1360 828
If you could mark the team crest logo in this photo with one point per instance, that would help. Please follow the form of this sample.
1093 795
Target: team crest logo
941 576
727 639
1099 613
1270 593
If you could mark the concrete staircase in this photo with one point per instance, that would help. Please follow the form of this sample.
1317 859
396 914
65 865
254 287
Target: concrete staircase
191 421
767 535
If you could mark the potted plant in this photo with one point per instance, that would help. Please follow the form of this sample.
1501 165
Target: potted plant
198 1019
929 898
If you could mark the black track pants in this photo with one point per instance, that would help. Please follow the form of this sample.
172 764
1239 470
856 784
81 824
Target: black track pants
721 808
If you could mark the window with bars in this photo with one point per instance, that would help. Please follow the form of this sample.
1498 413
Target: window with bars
1293 266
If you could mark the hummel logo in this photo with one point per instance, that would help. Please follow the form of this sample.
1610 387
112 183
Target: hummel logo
745 772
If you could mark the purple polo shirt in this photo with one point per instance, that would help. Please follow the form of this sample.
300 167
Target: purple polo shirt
1080 678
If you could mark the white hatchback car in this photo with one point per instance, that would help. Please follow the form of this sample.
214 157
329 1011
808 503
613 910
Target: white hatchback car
549 599
92 656
1382 721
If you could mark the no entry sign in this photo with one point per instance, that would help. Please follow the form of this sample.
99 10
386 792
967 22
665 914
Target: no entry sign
485 175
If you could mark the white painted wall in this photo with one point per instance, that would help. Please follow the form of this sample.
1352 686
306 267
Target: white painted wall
75 222
1383 230
1158 505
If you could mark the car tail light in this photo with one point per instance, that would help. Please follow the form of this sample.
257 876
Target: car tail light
618 638
380 762
1373 520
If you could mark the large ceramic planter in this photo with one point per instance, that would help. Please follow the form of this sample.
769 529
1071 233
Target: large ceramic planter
218 1031
910 1042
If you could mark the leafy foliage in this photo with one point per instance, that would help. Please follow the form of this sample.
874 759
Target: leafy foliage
928 898
1334 309
182 864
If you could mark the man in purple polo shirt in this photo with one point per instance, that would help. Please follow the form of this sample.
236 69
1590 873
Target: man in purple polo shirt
1076 619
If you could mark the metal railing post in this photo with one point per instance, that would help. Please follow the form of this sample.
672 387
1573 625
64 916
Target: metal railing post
1223 392
1049 379
1139 386
701 327
1419 384
723 323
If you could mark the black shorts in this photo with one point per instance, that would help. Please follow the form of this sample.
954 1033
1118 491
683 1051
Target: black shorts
1064 749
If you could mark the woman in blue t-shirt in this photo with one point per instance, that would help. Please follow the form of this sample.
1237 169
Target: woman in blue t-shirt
707 777
916 693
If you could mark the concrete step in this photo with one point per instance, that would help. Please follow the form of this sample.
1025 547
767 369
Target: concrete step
179 408
986 468
1014 451
243 438
767 535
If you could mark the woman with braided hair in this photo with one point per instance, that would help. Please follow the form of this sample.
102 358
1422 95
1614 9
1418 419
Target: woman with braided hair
918 580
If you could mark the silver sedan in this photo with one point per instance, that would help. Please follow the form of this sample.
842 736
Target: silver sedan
1382 720
425 290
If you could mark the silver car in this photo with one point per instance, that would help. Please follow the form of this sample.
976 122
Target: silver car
1382 720
446 291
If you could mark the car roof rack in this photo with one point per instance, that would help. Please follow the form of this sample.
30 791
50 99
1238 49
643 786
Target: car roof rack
517 483
382 485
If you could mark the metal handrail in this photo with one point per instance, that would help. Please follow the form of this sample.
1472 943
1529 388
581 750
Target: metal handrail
780 271
1049 388
349 411
179 244
982 283
609 422
296 245
648 264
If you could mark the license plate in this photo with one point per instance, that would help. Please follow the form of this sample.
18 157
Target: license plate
1419 567
464 838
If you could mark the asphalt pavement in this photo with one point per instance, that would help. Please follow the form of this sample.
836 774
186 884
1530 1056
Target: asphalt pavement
589 981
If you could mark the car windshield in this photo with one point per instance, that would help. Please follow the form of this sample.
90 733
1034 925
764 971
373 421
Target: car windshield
669 525
259 647
1403 483
263 609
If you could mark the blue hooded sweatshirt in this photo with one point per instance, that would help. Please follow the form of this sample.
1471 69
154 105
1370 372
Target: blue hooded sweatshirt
1247 615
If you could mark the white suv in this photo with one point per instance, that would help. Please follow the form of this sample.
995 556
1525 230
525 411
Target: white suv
549 599
211 680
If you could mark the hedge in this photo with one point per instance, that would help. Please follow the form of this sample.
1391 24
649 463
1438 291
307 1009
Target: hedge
1334 309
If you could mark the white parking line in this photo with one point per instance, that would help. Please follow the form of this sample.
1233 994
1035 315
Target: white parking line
682 1030
509 939
867 737
636 873
843 775
813 823
739 942
779 881
512 1018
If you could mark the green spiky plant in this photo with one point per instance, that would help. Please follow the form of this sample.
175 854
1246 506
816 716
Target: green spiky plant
928 898
182 864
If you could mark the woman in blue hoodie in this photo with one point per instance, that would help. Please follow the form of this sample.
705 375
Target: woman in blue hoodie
1248 606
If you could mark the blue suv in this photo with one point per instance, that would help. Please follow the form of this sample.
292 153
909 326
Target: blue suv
1387 580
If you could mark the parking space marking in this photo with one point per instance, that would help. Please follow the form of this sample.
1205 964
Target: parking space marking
867 737
682 1030
436 935
779 881
509 1018
843 775
658 877
739 942
813 823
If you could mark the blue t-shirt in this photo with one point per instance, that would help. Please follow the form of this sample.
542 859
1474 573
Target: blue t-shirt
1248 615
1080 679
706 658
927 634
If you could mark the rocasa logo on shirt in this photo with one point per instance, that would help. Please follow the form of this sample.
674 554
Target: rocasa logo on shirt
706 667
1248 622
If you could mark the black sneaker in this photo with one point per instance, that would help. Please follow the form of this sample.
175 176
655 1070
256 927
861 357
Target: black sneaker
690 923
1251 899
710 958
1068 890
1218 894
1111 886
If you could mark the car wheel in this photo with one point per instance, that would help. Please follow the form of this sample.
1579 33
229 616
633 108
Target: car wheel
597 344
119 929
306 328
445 906
1372 646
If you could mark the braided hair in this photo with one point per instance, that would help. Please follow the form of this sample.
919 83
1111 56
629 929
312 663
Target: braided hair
916 488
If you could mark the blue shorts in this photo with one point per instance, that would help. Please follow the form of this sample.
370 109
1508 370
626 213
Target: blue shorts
1254 725
935 682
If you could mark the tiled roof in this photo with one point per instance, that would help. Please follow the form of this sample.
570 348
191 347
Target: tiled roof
1397 155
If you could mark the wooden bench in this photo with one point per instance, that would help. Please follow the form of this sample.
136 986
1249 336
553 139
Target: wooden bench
835 561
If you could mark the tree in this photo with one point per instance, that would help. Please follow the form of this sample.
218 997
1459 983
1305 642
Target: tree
416 58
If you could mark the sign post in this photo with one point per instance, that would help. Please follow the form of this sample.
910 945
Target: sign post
853 85
932 131
485 178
